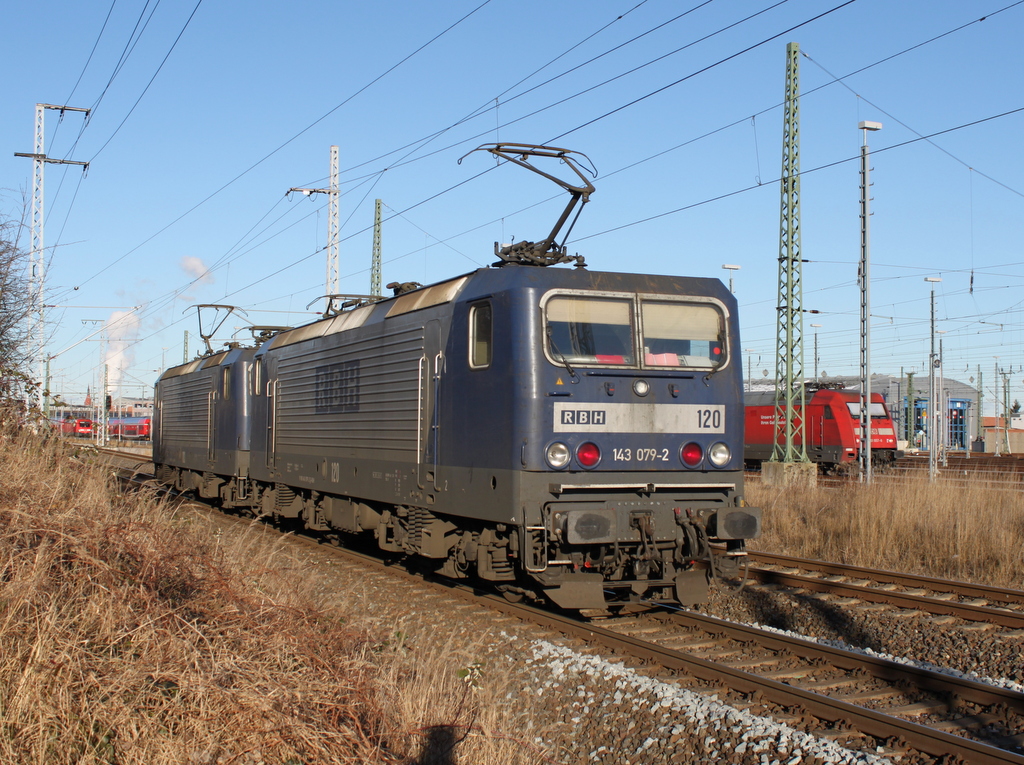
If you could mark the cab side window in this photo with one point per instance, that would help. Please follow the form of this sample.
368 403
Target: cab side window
480 336
256 376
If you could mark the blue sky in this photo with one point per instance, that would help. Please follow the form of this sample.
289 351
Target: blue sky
220 107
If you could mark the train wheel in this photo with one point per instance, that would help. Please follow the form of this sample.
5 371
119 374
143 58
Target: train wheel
511 594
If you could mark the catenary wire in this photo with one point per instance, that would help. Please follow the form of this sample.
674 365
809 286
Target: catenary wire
151 80
802 172
566 99
519 119
85 68
252 167
660 215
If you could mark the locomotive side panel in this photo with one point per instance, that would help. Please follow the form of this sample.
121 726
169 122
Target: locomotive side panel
358 395
353 413
182 420
230 414
485 389
201 424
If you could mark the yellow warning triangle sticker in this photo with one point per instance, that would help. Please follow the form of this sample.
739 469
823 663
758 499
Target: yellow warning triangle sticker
559 381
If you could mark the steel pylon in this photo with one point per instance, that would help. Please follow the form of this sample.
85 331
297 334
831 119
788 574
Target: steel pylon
789 357
375 269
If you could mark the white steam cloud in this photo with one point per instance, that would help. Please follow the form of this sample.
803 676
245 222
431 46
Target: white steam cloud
197 269
122 331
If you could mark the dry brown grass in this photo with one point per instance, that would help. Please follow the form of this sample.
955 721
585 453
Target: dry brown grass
466 715
131 637
937 529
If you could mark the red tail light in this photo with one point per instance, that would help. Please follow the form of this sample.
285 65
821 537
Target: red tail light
691 454
588 455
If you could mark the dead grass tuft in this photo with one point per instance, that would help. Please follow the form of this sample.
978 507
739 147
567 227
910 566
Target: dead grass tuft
131 639
460 693
973 533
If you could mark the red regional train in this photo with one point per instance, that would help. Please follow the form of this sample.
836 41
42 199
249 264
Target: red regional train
831 428
129 427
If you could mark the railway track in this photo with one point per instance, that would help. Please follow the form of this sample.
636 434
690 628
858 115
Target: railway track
862 702
1003 472
850 697
963 600
856 700
1003 467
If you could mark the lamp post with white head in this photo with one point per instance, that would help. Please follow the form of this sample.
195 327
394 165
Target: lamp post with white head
865 304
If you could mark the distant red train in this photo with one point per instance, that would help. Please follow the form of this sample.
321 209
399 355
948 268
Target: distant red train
70 425
129 427
831 428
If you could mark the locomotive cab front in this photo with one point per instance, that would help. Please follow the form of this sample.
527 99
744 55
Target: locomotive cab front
630 430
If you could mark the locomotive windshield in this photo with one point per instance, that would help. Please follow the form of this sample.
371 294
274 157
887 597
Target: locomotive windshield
682 334
594 331
876 409
591 330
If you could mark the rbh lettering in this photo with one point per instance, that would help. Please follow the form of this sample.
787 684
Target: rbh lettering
584 417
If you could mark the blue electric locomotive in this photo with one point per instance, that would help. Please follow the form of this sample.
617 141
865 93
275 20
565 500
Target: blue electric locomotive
564 434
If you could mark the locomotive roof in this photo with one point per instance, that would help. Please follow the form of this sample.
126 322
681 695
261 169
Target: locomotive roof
205 362
488 281
767 397
471 286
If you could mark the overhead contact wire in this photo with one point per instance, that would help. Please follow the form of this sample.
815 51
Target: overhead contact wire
279 148
151 80
705 69
803 172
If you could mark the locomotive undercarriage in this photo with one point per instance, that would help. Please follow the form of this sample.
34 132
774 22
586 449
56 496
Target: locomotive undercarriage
585 556
654 555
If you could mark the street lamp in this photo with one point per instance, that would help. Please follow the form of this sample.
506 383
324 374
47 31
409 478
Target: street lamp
942 410
933 362
816 327
731 269
865 304
750 366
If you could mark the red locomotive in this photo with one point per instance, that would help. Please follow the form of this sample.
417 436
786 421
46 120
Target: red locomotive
71 425
831 428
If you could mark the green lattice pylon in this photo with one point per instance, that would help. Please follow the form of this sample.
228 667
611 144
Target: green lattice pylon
789 351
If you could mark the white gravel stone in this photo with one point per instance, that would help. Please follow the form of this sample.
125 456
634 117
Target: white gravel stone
704 713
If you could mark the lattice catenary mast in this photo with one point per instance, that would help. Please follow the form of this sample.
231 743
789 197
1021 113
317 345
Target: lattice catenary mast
789 356
37 274
332 224
375 269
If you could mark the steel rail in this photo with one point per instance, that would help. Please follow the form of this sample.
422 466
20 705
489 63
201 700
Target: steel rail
877 724
883 669
895 577
968 611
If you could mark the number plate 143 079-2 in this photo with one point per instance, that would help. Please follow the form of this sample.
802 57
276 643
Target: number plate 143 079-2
573 417
641 455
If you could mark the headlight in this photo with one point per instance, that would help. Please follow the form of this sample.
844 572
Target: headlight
641 387
558 455
719 454
691 454
588 455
